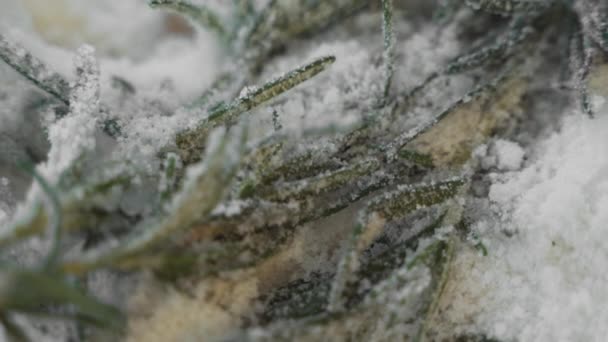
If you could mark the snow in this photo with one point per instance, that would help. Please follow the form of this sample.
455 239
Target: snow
503 155
75 134
337 91
354 84
543 278
509 155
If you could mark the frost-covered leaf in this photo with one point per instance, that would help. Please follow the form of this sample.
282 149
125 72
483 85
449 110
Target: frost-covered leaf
71 138
281 21
320 184
191 143
594 20
82 207
395 308
34 70
373 219
52 82
581 55
205 185
389 41
499 49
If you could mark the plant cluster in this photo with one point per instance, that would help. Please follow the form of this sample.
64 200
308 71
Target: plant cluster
220 201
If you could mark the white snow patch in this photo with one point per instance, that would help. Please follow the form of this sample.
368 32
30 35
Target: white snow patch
74 134
509 155
546 281
502 155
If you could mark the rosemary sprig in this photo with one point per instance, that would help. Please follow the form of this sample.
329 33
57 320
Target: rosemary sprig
191 142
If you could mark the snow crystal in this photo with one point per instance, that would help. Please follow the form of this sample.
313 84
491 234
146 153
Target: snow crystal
509 155
74 134
502 155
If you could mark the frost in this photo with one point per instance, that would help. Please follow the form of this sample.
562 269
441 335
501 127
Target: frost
70 137
341 96
389 42
33 69
75 134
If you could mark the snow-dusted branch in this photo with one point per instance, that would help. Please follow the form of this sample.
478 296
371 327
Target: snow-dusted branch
190 143
34 70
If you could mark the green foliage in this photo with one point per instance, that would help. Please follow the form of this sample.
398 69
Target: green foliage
190 143
387 207
34 292
203 189
277 184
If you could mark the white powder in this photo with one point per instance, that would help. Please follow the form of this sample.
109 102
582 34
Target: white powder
509 155
547 282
